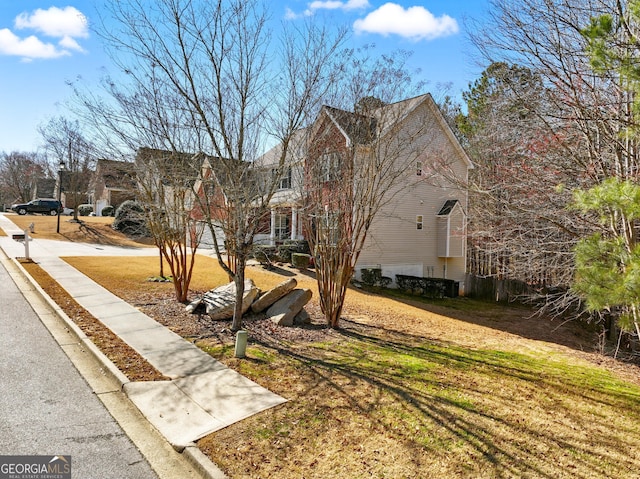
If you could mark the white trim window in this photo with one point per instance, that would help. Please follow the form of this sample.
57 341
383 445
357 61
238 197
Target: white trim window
419 222
330 166
283 180
282 228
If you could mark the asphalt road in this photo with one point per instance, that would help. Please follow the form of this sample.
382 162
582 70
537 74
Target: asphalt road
47 408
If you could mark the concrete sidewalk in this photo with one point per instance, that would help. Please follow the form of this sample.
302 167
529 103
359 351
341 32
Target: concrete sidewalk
203 395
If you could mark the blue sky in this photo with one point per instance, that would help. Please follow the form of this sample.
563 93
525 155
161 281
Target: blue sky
45 44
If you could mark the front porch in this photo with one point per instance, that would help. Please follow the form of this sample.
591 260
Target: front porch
284 224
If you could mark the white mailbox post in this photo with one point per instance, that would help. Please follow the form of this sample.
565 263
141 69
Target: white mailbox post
26 238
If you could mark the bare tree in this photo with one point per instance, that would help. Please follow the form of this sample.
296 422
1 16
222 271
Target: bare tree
209 77
66 142
521 185
580 122
360 158
18 173
165 185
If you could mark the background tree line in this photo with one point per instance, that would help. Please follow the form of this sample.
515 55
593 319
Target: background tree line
552 124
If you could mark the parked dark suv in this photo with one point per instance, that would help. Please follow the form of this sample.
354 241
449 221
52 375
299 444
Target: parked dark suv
41 205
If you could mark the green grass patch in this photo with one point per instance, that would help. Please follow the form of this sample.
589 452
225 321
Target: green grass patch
414 387
496 413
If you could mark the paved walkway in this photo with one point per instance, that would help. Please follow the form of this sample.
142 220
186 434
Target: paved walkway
203 395
46 407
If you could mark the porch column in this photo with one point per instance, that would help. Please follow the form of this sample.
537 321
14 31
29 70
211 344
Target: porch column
272 232
294 223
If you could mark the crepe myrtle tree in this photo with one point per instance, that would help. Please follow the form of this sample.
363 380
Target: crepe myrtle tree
350 182
214 79
165 191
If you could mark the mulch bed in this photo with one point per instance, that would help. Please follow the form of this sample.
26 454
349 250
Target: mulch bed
164 308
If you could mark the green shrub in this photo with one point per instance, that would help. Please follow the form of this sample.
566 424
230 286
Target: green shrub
85 210
428 287
284 253
108 211
131 220
373 277
370 276
300 260
288 247
264 254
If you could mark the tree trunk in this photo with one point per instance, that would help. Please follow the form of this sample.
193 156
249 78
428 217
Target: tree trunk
239 281
333 276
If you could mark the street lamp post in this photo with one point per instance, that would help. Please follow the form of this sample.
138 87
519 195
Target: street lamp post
60 170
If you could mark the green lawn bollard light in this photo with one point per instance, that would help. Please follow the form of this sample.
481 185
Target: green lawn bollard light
241 344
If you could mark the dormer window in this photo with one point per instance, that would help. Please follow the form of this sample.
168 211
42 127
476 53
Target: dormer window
419 168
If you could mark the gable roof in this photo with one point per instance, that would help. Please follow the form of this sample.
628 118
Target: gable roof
171 165
356 127
361 129
391 114
116 174
296 152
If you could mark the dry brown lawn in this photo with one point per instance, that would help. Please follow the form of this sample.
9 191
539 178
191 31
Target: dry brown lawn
90 229
407 388
456 389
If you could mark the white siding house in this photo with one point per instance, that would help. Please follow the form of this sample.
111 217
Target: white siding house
421 230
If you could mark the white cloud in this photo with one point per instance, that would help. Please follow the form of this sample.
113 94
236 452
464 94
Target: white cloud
55 22
28 48
70 44
316 5
65 24
416 23
338 5
290 14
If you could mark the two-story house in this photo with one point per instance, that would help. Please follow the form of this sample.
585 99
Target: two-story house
419 230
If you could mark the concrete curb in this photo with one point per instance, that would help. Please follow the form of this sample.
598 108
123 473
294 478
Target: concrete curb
191 453
82 338
202 463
